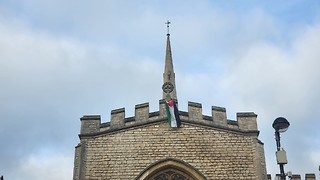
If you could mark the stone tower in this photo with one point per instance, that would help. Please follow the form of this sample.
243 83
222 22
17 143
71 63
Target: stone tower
145 147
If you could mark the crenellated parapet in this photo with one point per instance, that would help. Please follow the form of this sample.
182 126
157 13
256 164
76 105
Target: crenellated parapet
142 112
219 116
90 124
195 111
309 176
245 122
117 118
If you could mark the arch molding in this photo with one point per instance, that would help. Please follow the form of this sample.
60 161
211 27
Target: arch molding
170 169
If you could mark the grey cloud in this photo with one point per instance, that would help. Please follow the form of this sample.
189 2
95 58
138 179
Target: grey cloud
48 83
282 82
61 60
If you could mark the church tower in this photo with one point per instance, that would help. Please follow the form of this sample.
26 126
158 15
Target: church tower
146 147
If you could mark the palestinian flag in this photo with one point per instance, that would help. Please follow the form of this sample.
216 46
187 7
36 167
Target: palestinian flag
173 114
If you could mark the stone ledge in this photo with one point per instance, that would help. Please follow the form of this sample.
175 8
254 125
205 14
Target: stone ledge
115 111
142 105
246 114
144 123
232 122
90 117
194 104
217 108
246 121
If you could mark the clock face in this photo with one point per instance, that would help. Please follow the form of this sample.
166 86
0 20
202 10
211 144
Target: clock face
167 87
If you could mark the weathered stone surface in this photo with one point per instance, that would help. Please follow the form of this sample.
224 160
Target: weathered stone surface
215 147
142 112
217 154
219 116
90 124
117 118
195 111
247 121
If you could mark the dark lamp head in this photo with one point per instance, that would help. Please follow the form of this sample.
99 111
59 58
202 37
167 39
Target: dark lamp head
280 124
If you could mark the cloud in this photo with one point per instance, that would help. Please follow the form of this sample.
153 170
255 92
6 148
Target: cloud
48 82
270 75
50 167
60 60
277 81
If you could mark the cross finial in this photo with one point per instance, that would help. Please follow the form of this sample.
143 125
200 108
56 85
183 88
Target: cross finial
167 23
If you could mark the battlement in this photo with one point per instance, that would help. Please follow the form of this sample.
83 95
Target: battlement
245 122
309 176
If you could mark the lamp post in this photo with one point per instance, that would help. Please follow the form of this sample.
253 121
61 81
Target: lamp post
280 125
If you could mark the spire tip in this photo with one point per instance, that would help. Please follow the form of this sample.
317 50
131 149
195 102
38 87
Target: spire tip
168 23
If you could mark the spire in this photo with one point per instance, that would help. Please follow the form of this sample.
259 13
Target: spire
168 75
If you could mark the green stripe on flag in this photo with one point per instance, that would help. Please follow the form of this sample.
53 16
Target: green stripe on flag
168 114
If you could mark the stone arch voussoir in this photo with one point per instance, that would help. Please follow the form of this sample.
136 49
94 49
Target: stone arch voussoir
170 163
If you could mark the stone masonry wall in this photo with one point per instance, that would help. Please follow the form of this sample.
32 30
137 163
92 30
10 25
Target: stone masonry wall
124 148
309 176
216 153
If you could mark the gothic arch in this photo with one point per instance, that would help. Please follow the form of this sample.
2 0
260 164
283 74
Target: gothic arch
170 169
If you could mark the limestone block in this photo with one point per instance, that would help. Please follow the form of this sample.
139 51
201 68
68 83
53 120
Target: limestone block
162 108
310 177
142 111
247 121
296 177
195 111
117 118
90 124
219 116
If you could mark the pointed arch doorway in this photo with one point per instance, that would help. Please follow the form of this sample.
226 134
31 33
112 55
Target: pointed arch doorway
170 169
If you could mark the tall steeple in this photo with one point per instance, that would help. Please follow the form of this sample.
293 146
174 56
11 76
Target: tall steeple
168 75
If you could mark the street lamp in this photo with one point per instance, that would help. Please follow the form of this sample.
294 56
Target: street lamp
280 125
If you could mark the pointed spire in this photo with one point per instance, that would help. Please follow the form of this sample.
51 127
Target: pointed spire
169 75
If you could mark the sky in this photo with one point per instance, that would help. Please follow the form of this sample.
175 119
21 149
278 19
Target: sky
60 60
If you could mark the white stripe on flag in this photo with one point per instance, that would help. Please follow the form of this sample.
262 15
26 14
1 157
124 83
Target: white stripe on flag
173 117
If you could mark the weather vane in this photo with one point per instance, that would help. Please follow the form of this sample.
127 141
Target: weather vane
167 23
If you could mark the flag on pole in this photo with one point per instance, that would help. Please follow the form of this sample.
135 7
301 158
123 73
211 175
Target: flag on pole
173 114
